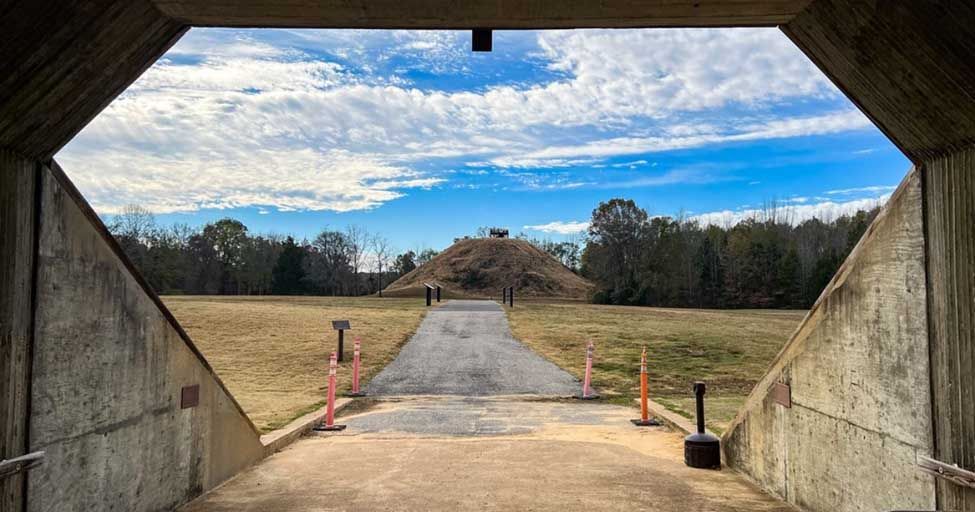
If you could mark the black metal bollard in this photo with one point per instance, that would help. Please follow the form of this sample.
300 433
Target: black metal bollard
438 293
702 450
341 350
429 293
511 297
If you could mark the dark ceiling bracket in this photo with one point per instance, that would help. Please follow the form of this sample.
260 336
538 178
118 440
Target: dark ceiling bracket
481 40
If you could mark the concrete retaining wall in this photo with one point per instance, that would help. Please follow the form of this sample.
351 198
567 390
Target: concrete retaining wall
109 364
858 368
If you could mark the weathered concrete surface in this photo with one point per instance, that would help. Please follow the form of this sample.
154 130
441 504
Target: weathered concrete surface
109 365
949 185
63 61
451 416
498 14
858 370
907 64
487 454
17 211
466 348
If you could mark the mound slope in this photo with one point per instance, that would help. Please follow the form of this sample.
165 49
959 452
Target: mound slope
480 267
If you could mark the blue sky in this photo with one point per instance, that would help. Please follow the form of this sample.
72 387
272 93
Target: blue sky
410 134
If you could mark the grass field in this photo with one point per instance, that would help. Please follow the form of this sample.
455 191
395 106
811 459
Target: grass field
272 352
729 350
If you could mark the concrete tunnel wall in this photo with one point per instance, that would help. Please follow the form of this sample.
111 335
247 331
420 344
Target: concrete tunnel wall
858 367
109 365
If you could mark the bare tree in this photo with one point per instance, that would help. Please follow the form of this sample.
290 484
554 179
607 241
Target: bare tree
358 243
382 251
133 222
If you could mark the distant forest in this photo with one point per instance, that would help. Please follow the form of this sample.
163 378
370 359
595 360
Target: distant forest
225 258
633 258
765 262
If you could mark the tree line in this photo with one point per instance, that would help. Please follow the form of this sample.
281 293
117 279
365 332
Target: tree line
633 258
761 262
225 258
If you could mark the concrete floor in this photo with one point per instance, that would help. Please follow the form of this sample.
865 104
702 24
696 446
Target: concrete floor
447 446
451 453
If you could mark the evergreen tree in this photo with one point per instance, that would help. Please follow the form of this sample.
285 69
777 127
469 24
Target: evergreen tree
288 274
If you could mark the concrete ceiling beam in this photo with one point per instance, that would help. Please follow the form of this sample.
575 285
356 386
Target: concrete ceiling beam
909 65
62 62
497 14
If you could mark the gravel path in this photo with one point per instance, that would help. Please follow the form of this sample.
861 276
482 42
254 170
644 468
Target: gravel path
466 348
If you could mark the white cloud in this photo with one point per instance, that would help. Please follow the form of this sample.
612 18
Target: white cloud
656 71
861 190
793 213
833 122
234 118
291 180
560 227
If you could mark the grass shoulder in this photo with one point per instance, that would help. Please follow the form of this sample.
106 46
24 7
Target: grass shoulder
272 352
728 349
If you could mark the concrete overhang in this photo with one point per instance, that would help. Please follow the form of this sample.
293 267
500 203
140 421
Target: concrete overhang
497 14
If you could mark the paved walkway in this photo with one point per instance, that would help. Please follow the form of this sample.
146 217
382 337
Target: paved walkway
497 453
466 348
469 438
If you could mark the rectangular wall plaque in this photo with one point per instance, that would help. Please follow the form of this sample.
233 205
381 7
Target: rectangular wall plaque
782 394
341 325
189 396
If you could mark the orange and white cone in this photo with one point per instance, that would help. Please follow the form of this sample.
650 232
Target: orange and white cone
645 419
587 391
356 365
329 424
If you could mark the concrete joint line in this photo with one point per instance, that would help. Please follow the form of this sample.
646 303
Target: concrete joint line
854 425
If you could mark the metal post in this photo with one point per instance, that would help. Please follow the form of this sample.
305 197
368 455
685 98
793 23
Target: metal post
341 350
438 293
699 389
428 295
511 297
702 450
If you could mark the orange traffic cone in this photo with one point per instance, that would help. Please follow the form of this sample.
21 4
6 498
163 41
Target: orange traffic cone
645 419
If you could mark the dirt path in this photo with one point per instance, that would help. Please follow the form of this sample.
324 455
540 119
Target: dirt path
466 348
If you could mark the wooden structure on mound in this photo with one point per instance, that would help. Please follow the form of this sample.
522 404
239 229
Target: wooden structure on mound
499 233
908 64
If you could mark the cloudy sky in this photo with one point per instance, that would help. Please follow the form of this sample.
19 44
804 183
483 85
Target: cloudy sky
411 134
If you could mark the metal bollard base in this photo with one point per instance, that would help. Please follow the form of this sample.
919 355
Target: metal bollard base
652 422
702 451
355 395
326 428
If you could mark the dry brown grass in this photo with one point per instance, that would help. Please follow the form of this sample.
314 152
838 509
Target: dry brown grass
272 352
730 350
